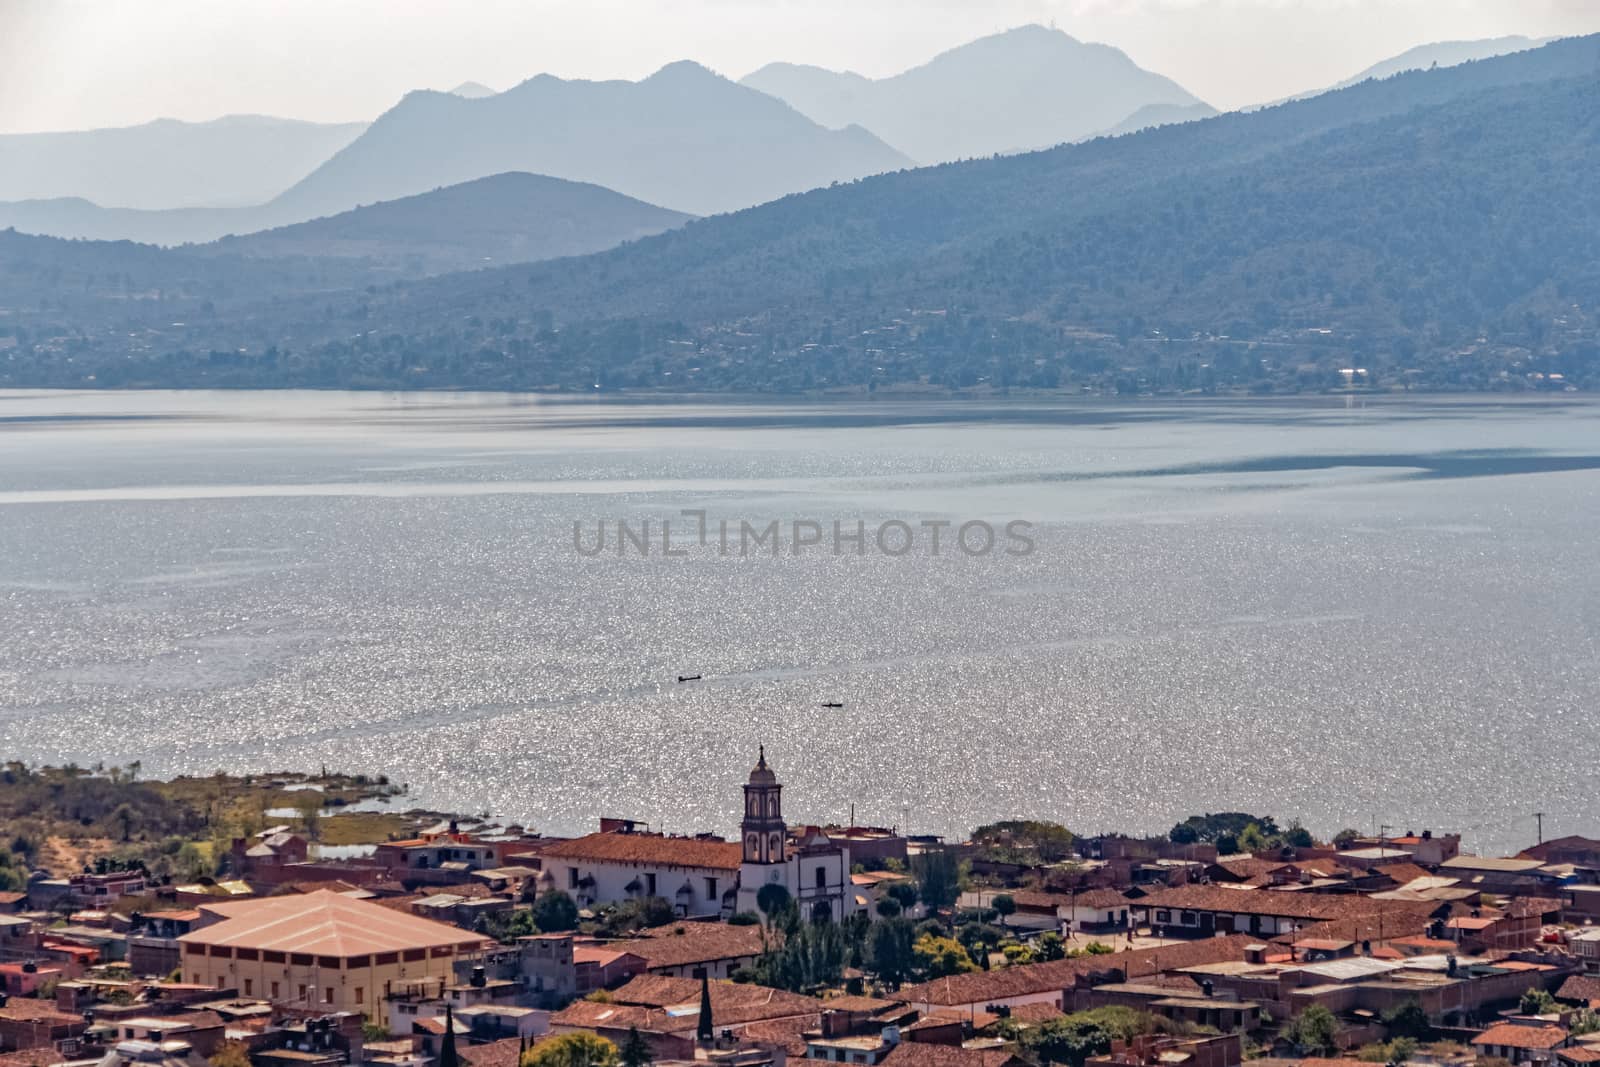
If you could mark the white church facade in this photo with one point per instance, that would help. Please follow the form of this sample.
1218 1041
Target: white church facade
706 877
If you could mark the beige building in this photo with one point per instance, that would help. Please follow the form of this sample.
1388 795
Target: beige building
320 951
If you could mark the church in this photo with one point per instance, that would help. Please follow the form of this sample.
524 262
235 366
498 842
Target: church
704 877
815 871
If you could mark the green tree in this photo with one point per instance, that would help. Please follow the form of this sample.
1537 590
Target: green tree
554 912
1298 835
1254 839
888 907
772 898
1005 905
1071 1039
1344 838
891 951
1537 1001
1407 1020
938 878
1314 1030
1050 947
635 1051
576 1049
939 957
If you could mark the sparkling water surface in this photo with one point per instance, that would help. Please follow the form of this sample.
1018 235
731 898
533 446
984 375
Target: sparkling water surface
1350 613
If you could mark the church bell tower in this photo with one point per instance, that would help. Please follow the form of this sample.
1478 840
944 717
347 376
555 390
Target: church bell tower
762 829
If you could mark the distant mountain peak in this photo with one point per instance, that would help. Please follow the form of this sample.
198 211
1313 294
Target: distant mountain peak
472 90
1025 88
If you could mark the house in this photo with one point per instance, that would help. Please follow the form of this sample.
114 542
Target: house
602 967
1493 874
1585 945
1200 910
1578 851
1582 989
29 1023
257 856
926 1054
319 951
1523 1041
98 890
1161 1050
1048 983
683 950
666 1012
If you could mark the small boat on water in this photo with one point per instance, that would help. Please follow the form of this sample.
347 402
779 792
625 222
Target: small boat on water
688 677
832 704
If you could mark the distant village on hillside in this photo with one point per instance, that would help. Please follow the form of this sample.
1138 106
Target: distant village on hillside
184 939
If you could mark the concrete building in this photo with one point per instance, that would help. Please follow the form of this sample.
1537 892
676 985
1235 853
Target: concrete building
319 951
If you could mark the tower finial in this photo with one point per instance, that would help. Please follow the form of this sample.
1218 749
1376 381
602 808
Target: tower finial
761 755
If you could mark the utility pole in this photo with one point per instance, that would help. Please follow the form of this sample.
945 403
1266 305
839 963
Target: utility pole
1539 816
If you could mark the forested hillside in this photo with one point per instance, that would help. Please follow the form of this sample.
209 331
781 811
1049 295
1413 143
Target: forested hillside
1435 229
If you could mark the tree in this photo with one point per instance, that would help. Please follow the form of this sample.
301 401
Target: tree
902 893
1537 1001
1005 905
1050 947
772 898
1407 1020
1315 1030
1071 1039
635 1051
1254 839
308 802
888 907
938 878
891 952
1346 837
554 912
1227 845
744 918
939 957
1183 834
1298 835
576 1049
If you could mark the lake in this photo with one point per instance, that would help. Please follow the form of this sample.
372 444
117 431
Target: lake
1350 612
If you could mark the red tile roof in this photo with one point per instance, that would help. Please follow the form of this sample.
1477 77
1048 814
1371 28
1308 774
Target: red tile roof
1581 987
326 924
506 1052
682 944
983 987
649 849
923 1054
1516 1035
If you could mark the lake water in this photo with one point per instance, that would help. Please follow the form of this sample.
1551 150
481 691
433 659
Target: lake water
1350 614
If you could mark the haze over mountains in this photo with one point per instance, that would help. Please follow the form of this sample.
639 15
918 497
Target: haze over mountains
1027 88
230 162
1437 228
683 138
1437 54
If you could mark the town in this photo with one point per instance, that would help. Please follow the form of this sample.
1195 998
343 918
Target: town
473 942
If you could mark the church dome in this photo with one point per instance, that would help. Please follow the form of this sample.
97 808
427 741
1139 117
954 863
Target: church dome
762 774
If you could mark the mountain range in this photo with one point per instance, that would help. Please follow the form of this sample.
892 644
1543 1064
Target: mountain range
1430 56
683 138
1027 88
507 218
1435 228
230 162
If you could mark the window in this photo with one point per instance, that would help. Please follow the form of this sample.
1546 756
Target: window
650 884
822 877
711 889
572 877
249 987
302 992
327 995
194 979
219 981
360 994
274 990
1163 916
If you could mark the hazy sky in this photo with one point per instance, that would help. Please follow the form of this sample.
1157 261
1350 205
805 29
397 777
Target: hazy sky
71 64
